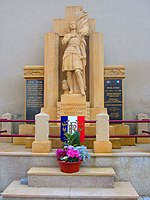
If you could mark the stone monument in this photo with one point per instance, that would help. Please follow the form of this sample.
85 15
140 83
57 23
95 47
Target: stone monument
73 75
71 61
59 82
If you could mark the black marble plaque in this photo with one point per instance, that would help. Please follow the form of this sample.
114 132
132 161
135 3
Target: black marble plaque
34 98
113 98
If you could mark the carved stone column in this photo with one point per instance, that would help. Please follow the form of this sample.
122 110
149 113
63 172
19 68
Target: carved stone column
51 74
96 70
51 69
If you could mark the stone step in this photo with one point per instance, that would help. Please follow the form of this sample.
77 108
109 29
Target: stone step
121 191
86 177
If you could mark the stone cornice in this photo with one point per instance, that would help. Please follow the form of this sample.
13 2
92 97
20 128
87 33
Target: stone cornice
110 71
34 71
114 71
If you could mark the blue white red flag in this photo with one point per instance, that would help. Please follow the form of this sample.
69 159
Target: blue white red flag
71 123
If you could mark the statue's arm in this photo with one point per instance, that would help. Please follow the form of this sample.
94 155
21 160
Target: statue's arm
66 38
83 48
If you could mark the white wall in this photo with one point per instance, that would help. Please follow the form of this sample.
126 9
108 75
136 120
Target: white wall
126 28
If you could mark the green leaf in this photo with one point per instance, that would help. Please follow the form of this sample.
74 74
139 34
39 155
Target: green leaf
73 138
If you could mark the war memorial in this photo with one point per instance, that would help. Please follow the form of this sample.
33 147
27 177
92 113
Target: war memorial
74 82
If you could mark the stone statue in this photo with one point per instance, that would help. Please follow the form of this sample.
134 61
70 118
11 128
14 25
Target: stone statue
74 58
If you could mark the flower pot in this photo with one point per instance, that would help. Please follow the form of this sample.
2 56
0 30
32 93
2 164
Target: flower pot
69 167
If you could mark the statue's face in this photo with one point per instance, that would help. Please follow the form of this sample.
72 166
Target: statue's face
72 25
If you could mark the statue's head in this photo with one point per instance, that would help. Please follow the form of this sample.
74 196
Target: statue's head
72 25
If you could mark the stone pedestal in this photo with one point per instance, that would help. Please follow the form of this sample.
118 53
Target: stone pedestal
142 127
102 127
28 142
102 143
122 129
73 105
41 127
102 147
41 143
24 129
41 147
116 144
8 127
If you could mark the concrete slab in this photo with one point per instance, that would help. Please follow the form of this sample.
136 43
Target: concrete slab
94 171
86 177
121 191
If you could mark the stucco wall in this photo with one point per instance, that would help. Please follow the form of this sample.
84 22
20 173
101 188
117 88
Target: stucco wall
126 28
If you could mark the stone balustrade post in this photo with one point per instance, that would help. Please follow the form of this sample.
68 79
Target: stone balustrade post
102 127
8 127
41 127
102 143
142 126
42 144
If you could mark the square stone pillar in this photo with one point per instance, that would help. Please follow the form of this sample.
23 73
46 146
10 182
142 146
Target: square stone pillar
51 74
142 127
6 126
41 143
96 70
102 143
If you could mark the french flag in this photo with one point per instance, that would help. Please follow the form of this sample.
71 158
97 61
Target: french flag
71 123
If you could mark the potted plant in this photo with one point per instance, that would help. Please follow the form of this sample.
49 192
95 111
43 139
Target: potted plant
72 153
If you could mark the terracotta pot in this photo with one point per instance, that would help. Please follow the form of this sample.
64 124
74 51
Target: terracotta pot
69 167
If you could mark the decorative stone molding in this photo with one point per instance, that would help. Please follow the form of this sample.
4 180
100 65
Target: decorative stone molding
34 71
110 71
114 71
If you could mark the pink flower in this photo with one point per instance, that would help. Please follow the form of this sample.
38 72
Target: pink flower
72 153
60 153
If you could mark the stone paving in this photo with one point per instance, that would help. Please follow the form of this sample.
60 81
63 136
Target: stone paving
144 198
140 198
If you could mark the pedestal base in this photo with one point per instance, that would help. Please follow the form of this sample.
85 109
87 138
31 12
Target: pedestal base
116 143
19 140
73 105
5 139
122 129
102 147
41 147
24 129
143 140
28 142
